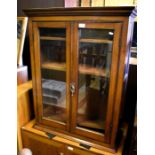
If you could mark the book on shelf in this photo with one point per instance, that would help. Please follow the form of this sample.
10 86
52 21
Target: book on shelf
54 91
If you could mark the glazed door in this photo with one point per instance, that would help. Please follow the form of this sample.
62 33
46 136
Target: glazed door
52 61
95 63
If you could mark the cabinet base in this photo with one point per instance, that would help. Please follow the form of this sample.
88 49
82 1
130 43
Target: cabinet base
74 141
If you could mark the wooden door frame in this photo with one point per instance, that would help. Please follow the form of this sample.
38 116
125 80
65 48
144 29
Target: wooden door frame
37 70
113 78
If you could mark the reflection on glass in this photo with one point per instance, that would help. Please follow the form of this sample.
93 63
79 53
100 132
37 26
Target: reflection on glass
94 70
53 63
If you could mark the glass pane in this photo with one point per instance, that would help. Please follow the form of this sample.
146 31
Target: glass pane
95 53
53 73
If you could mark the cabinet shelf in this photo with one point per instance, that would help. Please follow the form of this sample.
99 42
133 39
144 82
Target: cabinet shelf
61 105
95 41
49 114
54 66
52 38
92 70
89 54
82 68
98 124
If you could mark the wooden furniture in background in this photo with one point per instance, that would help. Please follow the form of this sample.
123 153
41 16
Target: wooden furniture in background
81 97
22 75
23 86
130 110
24 109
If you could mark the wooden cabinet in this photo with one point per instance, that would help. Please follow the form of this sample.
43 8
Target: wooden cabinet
79 60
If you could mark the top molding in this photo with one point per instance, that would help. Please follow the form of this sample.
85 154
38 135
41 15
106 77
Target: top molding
82 11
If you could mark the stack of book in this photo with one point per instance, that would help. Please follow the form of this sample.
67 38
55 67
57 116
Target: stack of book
53 91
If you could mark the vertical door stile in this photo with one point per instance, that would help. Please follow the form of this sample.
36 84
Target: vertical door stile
113 80
68 73
37 69
74 71
32 57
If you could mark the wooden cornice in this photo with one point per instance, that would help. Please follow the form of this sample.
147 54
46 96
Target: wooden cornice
82 11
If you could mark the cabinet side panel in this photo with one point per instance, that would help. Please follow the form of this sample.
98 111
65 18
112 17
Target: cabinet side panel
119 86
122 76
113 81
126 70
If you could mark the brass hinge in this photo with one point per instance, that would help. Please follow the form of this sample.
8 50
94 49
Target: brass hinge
85 146
50 136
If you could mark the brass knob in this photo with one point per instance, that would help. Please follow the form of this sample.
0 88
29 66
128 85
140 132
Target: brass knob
72 88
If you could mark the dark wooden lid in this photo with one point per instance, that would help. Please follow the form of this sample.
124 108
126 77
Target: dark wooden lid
82 11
